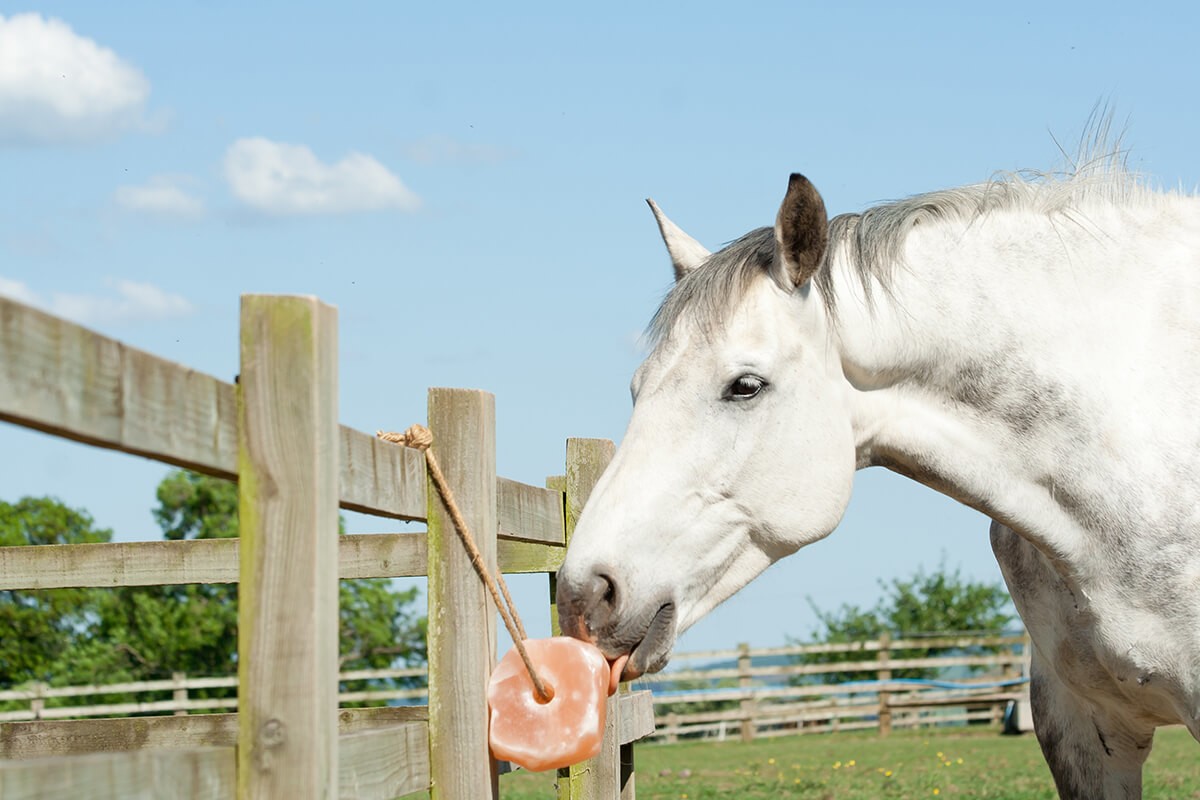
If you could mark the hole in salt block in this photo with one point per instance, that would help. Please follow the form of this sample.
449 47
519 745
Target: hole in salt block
549 687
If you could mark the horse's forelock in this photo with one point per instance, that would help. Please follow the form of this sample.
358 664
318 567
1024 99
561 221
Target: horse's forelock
708 293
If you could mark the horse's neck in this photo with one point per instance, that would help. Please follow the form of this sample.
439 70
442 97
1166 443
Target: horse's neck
1006 358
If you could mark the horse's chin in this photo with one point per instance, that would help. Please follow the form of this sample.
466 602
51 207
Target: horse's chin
653 652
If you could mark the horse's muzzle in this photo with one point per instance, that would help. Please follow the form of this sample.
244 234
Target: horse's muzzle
595 609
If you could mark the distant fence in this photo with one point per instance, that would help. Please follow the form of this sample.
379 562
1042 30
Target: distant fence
743 699
749 700
276 433
173 695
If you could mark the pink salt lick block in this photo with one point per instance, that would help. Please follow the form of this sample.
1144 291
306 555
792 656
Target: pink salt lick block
568 728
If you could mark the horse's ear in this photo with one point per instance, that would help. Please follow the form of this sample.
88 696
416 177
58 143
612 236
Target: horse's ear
686 252
801 230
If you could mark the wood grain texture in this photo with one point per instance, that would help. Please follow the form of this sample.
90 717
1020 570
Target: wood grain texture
55 566
195 774
637 716
517 557
382 555
529 514
600 777
377 477
384 763
556 483
61 378
42 739
377 764
288 597
462 620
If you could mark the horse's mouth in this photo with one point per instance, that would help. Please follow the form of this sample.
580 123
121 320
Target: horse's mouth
652 652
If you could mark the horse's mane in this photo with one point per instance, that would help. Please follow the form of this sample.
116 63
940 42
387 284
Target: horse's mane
873 240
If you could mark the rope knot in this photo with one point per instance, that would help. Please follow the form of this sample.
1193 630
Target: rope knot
417 436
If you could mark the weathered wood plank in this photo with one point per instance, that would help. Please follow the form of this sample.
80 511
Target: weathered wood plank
61 378
637 716
529 513
462 622
382 555
195 774
377 764
384 763
288 593
20 740
378 477
518 557
598 777
56 566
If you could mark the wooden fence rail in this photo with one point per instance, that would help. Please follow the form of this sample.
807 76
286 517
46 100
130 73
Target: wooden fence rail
276 433
736 697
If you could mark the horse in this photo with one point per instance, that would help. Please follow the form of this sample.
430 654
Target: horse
1029 346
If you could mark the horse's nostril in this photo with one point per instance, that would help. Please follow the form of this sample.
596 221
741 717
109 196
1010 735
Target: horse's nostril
607 591
586 604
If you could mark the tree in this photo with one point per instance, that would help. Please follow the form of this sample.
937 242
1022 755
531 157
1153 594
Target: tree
937 602
142 633
41 629
378 626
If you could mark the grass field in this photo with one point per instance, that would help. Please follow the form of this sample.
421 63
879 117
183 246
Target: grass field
850 766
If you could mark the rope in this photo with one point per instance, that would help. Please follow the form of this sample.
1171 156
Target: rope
421 438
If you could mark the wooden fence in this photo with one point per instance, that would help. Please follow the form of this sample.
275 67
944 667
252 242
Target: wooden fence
749 700
276 433
740 699
38 700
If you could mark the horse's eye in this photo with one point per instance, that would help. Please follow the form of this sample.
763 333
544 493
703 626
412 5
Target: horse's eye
745 387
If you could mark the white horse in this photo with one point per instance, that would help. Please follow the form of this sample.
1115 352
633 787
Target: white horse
1029 347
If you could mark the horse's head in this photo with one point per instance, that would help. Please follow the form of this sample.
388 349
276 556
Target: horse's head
739 450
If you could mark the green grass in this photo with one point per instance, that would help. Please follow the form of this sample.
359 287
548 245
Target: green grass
847 766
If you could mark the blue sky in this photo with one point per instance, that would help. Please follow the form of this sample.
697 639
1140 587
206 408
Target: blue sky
465 183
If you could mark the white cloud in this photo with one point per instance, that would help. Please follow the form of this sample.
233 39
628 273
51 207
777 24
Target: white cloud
130 301
280 178
58 86
162 195
17 291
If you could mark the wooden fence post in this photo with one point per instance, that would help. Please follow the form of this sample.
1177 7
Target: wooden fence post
180 695
559 484
885 676
745 681
462 619
38 703
600 777
288 519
